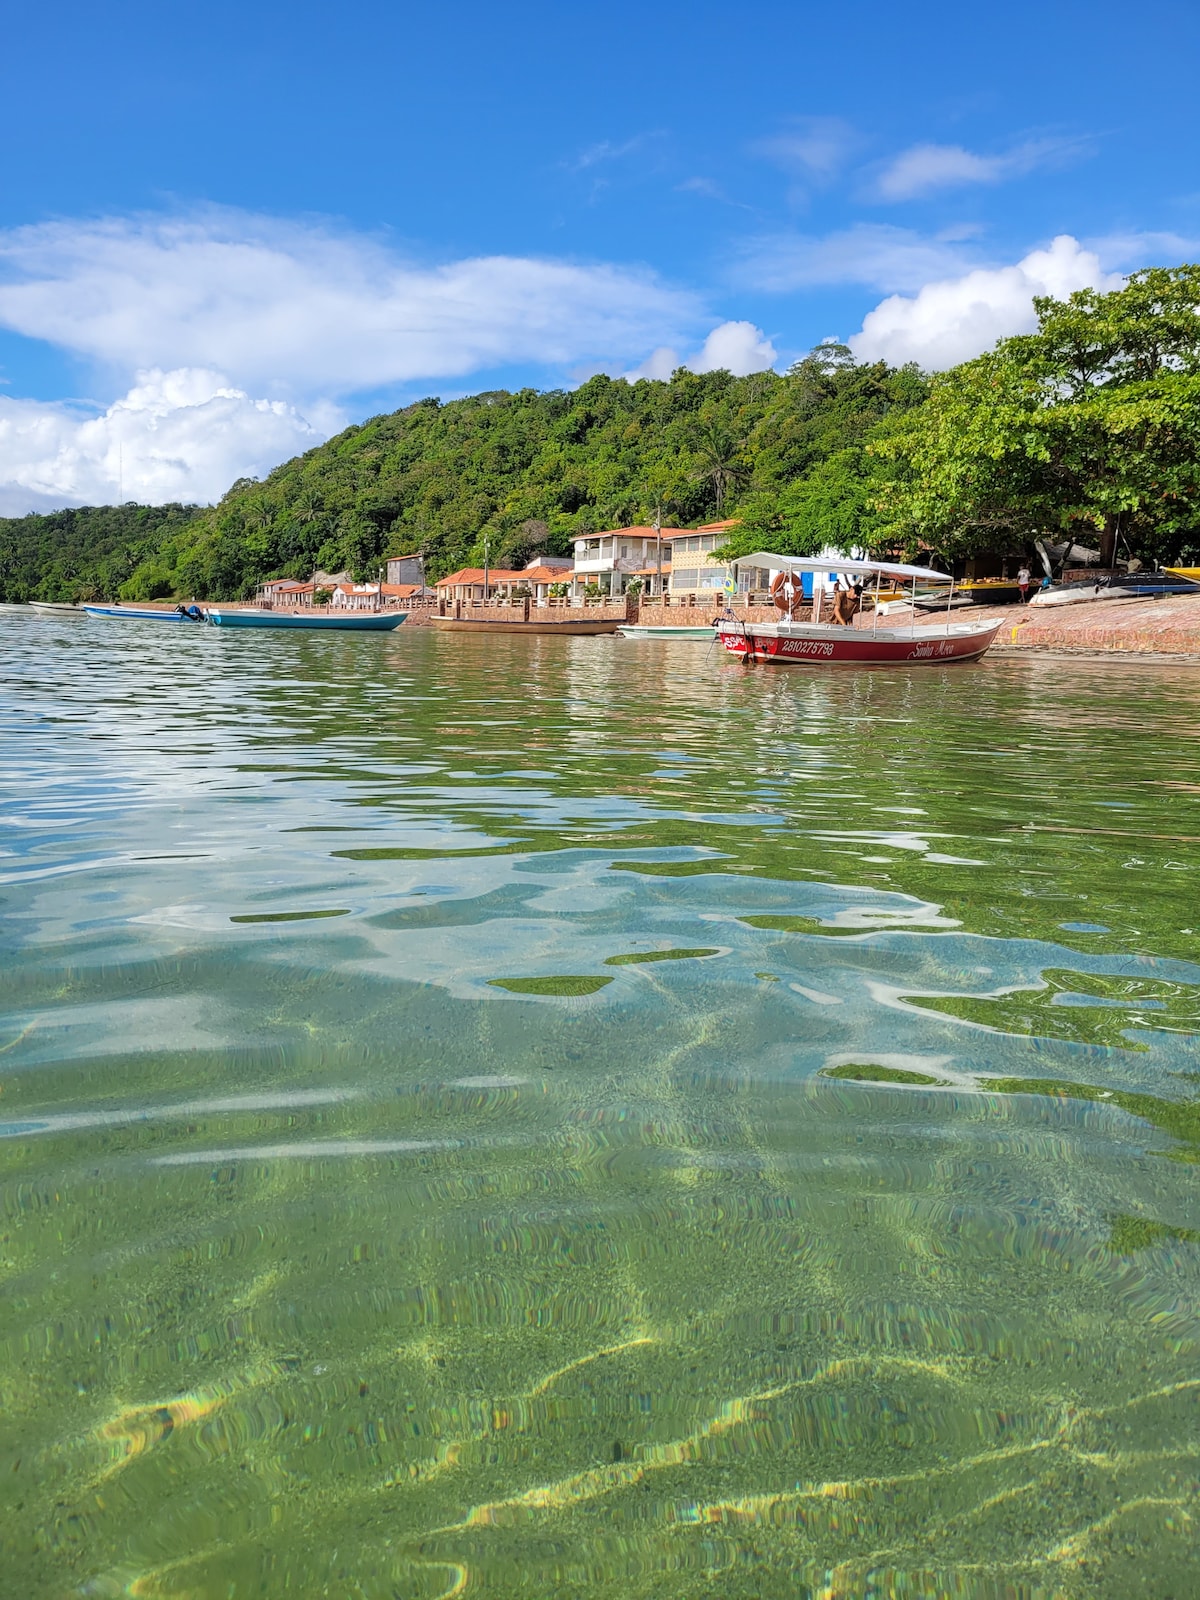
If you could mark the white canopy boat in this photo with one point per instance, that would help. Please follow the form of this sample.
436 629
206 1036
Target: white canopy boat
794 641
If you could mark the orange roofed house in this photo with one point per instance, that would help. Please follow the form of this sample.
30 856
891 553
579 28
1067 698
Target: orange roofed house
468 582
611 559
696 574
373 596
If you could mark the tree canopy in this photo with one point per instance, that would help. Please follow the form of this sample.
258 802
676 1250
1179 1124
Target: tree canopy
1090 425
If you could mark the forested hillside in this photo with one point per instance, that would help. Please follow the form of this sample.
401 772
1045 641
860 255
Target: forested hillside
528 470
1090 426
83 554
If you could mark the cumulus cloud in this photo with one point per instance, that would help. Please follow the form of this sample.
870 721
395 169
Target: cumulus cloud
299 309
181 435
738 347
875 254
924 168
954 319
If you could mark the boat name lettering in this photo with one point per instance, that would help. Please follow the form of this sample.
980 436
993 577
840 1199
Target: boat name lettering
935 647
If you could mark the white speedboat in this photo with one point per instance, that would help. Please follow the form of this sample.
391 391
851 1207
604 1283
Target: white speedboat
1137 586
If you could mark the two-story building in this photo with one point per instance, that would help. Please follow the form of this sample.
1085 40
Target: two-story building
406 569
285 592
695 571
611 559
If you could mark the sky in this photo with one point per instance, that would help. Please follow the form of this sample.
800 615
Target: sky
227 230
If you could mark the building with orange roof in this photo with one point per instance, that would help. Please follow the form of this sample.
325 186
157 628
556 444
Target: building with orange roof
503 582
696 574
473 583
285 592
610 559
373 596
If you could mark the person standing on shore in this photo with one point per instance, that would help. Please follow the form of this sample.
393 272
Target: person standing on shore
1023 584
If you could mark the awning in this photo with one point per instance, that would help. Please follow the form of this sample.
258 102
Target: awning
890 569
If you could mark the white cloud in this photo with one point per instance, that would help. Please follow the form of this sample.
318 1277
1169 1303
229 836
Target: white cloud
954 319
876 254
298 309
738 347
927 167
182 435
659 365
1132 250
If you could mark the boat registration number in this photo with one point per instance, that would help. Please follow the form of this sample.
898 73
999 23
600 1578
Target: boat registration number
806 647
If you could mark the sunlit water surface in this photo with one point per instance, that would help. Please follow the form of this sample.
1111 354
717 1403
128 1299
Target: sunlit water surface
332 1265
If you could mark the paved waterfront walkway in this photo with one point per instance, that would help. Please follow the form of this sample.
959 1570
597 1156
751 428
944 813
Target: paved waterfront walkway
1166 626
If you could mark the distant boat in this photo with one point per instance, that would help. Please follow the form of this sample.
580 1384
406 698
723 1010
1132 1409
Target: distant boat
1137 586
666 631
147 613
342 621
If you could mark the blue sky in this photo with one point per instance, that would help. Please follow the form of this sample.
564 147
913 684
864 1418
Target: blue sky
226 230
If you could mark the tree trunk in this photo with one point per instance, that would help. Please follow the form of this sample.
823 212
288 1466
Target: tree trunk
1108 542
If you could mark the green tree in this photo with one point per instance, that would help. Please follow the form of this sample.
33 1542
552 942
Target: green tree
1091 424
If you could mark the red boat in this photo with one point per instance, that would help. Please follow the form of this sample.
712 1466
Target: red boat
859 641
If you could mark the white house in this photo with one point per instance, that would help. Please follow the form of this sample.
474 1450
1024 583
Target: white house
611 559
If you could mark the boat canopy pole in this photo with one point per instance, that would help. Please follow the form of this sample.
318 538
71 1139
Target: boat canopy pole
875 617
912 620
949 603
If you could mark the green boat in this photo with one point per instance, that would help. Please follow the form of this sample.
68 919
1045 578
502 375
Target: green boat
665 631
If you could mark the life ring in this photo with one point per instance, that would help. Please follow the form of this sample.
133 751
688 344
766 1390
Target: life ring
787 591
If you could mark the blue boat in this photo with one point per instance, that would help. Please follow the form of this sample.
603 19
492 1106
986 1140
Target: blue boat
147 613
353 621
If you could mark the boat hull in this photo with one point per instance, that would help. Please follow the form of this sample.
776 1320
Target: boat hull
495 625
1085 593
666 632
350 622
138 614
822 645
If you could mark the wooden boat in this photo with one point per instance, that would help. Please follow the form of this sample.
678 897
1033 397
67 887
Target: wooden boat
987 591
340 621
797 642
571 627
631 630
147 613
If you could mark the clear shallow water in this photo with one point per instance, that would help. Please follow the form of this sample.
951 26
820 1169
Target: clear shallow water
329 1266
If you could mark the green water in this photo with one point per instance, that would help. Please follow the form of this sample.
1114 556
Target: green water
580 1117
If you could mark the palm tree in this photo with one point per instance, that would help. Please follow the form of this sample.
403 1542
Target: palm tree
719 463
